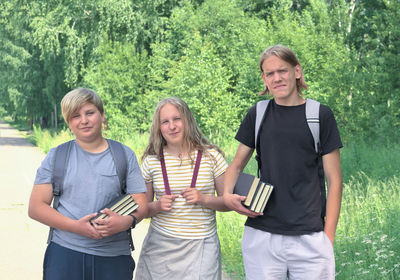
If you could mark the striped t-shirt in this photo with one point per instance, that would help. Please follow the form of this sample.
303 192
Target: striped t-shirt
186 221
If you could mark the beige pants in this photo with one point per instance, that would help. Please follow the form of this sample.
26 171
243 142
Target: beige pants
275 256
163 258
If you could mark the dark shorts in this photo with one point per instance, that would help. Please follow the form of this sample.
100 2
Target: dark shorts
61 263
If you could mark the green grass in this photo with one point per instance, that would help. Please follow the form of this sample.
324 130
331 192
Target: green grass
367 244
367 241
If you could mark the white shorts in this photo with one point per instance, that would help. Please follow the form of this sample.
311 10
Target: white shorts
275 256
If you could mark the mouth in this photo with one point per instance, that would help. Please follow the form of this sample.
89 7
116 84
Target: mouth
279 86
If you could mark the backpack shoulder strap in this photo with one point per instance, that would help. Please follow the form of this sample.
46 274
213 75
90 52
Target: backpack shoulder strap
60 164
260 111
312 116
120 161
121 165
60 160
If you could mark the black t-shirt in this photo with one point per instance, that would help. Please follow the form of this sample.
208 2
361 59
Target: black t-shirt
289 162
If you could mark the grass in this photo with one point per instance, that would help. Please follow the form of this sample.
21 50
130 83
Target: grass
367 244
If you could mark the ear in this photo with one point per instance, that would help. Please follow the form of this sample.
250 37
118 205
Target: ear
264 80
298 71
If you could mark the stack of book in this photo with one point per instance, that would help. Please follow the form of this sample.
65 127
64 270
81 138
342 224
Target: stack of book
257 192
123 205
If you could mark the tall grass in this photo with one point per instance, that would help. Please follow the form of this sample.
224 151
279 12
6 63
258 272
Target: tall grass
367 244
47 139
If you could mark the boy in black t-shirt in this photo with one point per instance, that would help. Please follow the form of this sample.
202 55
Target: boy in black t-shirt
290 239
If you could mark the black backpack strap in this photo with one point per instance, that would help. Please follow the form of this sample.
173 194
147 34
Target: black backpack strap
61 158
120 161
121 165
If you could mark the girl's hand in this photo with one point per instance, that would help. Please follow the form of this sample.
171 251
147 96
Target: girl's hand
165 202
193 196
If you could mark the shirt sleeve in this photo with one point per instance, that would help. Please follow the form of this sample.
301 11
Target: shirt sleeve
134 180
220 165
45 171
245 134
146 170
329 132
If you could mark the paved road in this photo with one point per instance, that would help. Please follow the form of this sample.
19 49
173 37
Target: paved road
23 240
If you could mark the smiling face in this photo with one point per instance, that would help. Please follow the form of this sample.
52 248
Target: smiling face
86 123
280 78
172 125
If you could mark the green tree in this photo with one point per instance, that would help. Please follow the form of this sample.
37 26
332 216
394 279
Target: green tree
119 76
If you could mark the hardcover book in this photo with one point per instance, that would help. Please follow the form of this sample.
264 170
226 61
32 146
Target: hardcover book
123 205
257 192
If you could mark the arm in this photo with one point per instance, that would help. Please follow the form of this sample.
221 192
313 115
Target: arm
192 195
116 223
333 173
234 201
40 210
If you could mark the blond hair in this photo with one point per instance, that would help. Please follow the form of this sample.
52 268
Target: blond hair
75 99
193 137
287 55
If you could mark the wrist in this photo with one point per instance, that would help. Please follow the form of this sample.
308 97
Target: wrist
134 221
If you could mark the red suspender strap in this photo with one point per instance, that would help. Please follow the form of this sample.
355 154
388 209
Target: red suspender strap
196 169
165 176
164 173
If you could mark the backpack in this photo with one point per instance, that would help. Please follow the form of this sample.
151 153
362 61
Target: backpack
60 164
312 117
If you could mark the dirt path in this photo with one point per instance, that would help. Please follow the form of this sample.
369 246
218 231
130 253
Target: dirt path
22 239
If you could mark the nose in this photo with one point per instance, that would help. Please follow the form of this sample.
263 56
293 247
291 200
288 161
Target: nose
171 125
276 76
84 119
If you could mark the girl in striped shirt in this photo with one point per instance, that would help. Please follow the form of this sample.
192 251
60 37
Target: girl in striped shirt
182 242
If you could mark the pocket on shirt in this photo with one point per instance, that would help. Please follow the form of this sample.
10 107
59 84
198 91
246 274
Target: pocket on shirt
109 185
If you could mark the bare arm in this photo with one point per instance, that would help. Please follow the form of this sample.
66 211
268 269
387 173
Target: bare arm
40 210
192 195
234 201
333 173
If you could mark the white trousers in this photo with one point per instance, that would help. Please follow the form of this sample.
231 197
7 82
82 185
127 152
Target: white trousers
281 257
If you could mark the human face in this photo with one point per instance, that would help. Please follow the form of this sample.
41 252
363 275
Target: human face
280 78
86 123
171 125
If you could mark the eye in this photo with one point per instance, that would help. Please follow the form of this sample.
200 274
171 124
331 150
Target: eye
75 116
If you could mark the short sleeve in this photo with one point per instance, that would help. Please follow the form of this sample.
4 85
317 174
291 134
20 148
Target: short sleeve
145 167
220 165
245 134
134 180
329 137
45 171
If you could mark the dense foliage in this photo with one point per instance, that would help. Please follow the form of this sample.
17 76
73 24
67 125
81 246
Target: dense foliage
135 52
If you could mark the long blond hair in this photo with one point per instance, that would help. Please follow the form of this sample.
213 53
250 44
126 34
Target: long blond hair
193 137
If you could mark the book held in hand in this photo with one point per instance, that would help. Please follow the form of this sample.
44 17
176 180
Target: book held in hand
257 192
122 205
